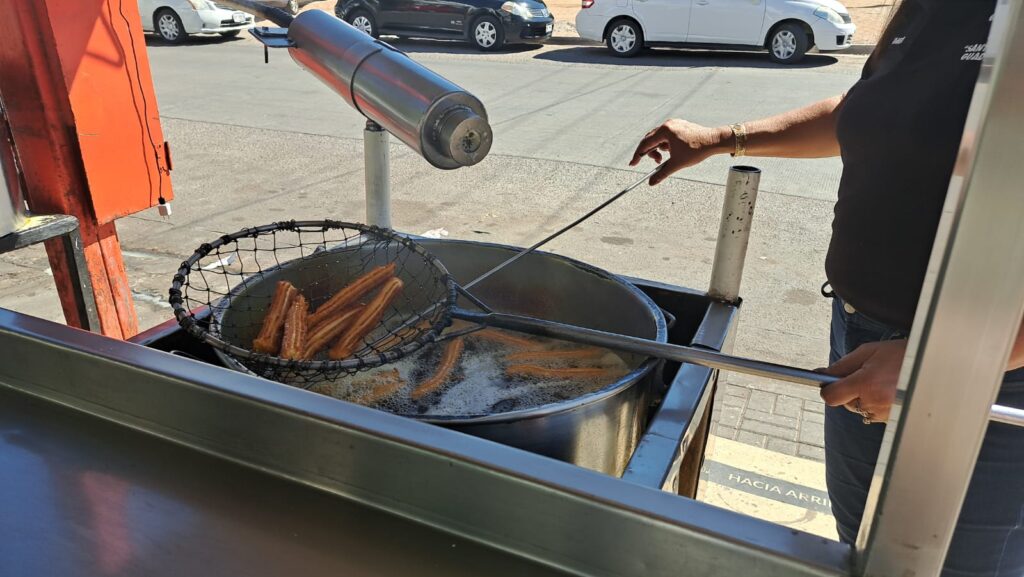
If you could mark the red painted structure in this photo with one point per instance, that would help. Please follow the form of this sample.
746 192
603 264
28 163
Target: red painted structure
75 81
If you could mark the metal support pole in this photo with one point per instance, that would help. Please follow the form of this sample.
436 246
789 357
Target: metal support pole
377 162
734 233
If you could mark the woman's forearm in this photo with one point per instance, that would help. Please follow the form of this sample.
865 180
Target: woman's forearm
808 132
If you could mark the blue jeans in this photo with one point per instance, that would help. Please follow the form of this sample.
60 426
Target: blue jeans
989 536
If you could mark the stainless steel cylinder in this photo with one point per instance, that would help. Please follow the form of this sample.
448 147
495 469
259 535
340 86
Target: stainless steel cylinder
377 169
734 232
12 214
436 118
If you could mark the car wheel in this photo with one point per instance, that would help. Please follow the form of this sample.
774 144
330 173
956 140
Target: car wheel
487 33
293 7
788 44
625 38
168 26
231 33
363 21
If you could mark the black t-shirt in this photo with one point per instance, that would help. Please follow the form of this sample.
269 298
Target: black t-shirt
899 131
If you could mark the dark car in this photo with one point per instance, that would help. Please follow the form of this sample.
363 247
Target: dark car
488 24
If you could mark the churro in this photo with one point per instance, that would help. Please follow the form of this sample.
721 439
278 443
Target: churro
444 370
321 335
352 292
387 384
589 353
269 339
367 319
293 343
570 373
504 338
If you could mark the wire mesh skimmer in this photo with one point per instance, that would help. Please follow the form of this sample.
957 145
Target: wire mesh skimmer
236 276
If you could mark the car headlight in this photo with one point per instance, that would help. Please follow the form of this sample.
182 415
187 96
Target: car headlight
516 8
829 14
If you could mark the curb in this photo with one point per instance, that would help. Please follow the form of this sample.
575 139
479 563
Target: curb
858 49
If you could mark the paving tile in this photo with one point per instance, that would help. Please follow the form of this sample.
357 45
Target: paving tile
788 406
752 426
751 438
811 452
814 405
724 432
729 416
812 435
733 401
782 446
813 417
761 401
779 420
730 389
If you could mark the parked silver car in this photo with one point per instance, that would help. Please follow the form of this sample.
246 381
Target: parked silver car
175 20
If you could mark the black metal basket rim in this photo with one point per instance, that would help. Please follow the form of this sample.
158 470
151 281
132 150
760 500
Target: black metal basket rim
187 320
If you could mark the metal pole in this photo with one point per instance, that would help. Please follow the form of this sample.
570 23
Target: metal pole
967 318
734 233
377 162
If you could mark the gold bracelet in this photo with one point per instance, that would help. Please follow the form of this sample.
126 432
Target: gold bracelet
739 133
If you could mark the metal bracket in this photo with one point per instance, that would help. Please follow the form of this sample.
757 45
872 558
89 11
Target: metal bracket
271 37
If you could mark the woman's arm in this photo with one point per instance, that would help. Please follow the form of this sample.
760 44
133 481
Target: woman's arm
808 132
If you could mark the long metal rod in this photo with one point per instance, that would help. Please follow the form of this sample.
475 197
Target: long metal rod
682 354
260 10
562 230
377 177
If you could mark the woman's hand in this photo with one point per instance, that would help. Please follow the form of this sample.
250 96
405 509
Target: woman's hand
686 143
869 377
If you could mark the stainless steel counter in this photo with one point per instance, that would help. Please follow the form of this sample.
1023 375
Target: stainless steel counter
117 459
82 496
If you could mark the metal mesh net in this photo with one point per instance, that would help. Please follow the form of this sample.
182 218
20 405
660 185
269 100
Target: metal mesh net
235 278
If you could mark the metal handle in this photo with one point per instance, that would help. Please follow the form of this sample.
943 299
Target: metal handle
682 354
679 353
562 230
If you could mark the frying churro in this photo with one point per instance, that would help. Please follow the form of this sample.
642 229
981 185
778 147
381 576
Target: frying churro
293 343
321 335
588 353
367 319
504 338
444 370
269 339
352 292
560 373
388 384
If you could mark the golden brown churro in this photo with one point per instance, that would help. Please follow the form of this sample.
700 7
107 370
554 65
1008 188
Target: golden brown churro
444 370
269 339
388 384
561 373
366 320
293 343
321 335
352 292
557 355
504 338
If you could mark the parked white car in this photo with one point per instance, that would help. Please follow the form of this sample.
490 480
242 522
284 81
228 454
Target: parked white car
174 20
786 28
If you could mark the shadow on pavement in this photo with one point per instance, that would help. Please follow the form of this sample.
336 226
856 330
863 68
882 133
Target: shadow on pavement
431 46
153 41
681 58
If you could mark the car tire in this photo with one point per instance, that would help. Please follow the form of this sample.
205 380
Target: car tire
625 38
788 43
168 26
231 33
487 34
363 20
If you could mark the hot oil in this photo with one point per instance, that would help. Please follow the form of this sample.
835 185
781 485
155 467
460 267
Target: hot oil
479 383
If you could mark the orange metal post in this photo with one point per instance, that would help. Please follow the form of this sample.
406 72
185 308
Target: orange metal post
74 78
